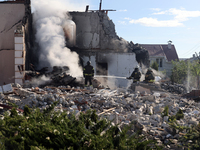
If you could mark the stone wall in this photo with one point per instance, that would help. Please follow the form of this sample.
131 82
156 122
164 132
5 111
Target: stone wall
94 30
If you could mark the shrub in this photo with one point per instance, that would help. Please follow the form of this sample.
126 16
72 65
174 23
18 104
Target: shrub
53 130
165 111
179 114
154 65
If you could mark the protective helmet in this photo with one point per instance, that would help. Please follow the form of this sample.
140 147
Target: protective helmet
136 67
88 62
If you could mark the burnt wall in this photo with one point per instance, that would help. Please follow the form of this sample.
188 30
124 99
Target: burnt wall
29 36
95 31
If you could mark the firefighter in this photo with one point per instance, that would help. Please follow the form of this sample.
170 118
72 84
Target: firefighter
149 76
136 75
88 73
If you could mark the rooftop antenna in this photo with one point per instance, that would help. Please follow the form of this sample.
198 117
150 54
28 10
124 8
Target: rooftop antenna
100 5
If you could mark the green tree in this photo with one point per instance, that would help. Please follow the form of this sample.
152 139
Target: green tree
165 111
185 70
53 130
195 70
179 71
154 65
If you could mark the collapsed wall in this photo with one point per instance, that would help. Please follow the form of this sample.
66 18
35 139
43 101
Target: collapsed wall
97 41
96 32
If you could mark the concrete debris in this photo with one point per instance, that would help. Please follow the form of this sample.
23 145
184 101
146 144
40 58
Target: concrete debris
121 106
6 89
58 76
195 94
175 88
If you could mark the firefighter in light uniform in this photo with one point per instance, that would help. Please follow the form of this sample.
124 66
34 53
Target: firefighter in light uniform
88 73
149 76
136 75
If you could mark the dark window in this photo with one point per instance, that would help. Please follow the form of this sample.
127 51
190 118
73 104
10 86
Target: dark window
102 69
157 60
160 63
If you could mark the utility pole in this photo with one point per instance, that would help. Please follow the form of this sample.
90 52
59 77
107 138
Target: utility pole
100 5
198 56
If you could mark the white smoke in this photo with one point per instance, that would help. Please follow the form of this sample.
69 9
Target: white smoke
35 82
49 19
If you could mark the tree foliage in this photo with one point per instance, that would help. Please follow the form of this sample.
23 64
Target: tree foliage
179 71
183 71
195 71
154 65
190 139
165 111
53 130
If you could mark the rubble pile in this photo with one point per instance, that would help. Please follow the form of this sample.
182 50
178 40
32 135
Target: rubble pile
175 88
52 79
121 106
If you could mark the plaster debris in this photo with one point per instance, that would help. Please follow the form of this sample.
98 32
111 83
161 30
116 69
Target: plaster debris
121 106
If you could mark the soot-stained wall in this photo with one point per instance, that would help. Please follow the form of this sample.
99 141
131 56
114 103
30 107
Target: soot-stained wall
119 65
94 30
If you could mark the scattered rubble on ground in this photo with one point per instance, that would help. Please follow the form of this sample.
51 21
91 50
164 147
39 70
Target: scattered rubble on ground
122 106
44 77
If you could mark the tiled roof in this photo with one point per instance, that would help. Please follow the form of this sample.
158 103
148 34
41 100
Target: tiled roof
161 50
171 54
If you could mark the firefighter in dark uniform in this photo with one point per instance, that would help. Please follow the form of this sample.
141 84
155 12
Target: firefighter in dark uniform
149 76
88 73
136 75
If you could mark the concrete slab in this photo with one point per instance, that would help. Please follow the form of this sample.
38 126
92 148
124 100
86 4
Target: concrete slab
7 88
141 89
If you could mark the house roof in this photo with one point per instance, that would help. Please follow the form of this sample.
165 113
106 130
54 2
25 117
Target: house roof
161 50
11 1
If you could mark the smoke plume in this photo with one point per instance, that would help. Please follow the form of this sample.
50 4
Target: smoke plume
49 19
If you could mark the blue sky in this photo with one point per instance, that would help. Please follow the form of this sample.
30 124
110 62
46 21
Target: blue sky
156 22
150 21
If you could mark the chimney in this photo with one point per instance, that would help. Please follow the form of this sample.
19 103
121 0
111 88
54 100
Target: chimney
100 5
169 44
87 7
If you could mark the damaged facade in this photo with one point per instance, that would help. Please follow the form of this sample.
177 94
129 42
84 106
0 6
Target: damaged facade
91 34
15 40
97 41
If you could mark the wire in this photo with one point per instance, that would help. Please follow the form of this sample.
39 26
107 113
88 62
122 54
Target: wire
192 49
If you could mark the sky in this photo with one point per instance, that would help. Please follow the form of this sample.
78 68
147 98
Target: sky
151 21
157 22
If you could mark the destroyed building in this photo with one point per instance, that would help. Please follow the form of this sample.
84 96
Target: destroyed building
91 34
97 41
15 40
